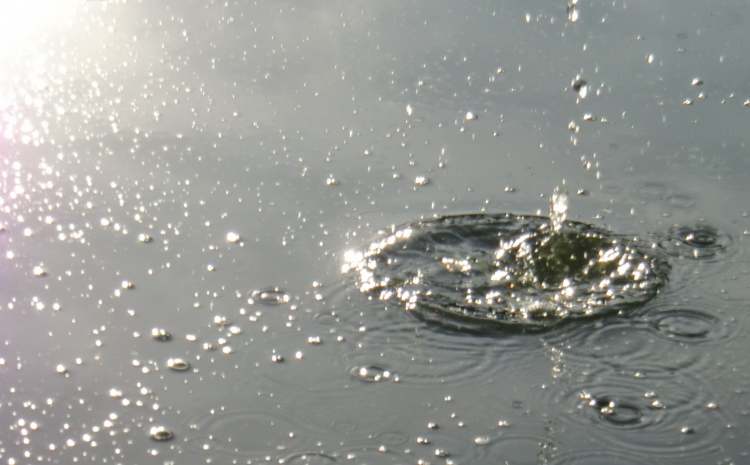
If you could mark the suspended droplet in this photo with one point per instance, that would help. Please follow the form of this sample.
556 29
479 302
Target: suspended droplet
160 433
178 364
160 334
233 237
482 440
421 181
580 86
39 271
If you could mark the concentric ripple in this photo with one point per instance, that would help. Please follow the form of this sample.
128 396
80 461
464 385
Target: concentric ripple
509 269
382 338
243 434
597 457
655 415
699 242
689 325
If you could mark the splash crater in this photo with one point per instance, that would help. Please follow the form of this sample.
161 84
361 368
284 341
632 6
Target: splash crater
505 269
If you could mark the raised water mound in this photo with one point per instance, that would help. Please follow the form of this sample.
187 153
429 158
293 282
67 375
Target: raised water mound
508 269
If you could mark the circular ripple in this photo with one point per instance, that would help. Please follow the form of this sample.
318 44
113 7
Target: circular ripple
699 242
415 352
246 434
516 449
308 458
269 296
619 343
611 340
692 320
647 415
508 269
688 325
597 457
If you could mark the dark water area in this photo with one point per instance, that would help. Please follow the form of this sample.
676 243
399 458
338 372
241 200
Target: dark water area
194 195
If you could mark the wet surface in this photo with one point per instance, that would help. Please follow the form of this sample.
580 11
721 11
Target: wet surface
181 183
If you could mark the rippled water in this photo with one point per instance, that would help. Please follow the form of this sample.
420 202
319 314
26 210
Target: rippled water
181 183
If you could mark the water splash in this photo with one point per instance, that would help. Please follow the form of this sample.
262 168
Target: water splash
510 269
558 209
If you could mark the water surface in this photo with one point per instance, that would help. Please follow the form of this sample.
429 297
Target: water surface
181 182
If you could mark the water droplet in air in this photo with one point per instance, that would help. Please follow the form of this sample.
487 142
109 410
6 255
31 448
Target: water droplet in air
580 86
482 440
160 433
471 116
420 181
331 181
233 237
220 320
178 364
160 334
39 271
